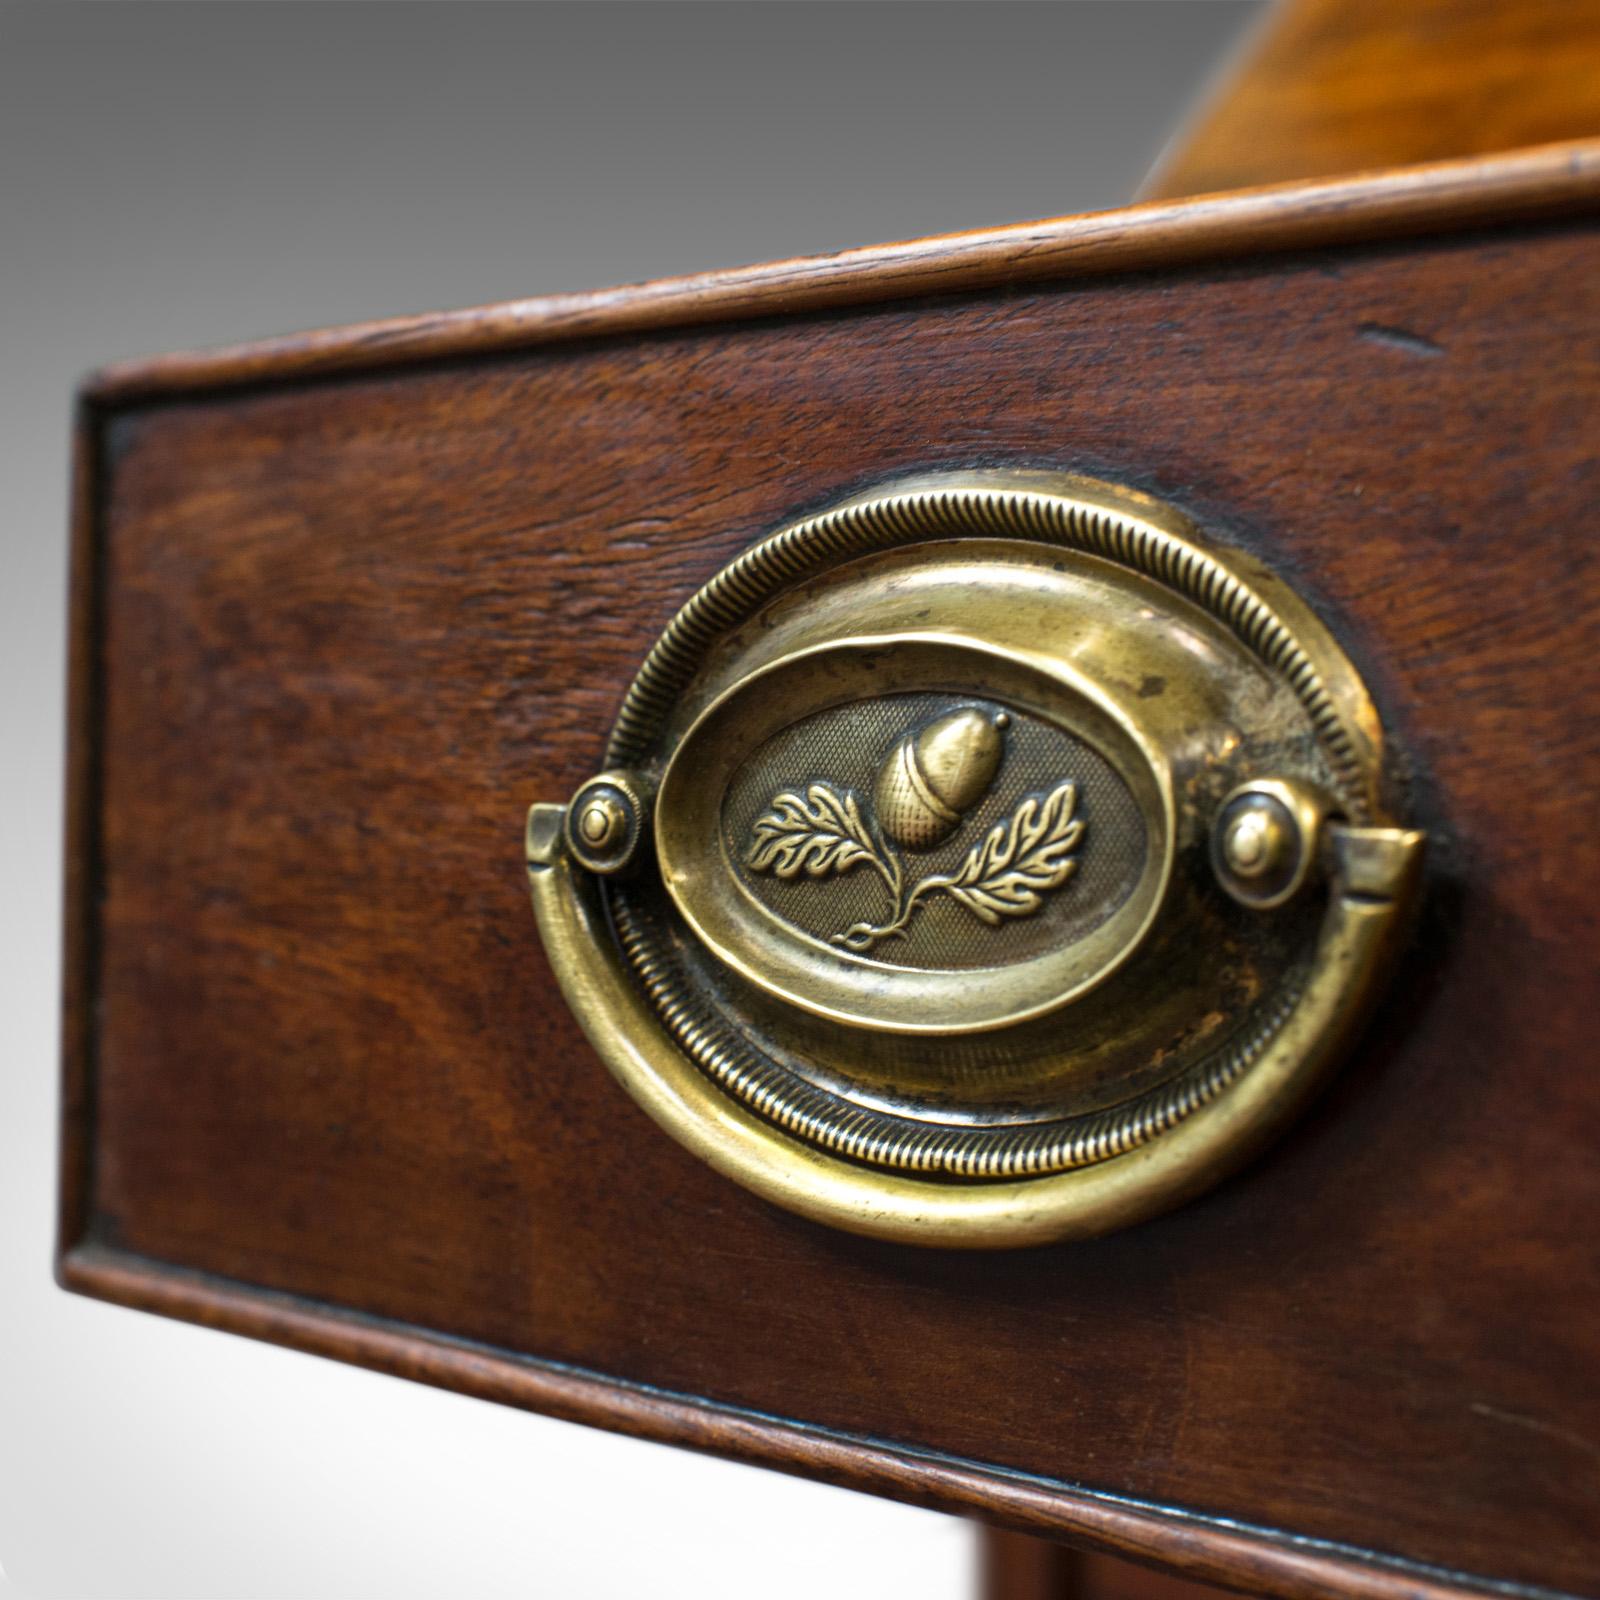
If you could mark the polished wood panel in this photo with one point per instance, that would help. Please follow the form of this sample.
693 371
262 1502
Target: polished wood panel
1450 195
1342 86
1017 1566
338 624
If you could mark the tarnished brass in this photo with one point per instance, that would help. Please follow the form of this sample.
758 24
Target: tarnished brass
982 862
605 822
1265 842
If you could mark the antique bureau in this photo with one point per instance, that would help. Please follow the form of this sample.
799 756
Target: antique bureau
1089 911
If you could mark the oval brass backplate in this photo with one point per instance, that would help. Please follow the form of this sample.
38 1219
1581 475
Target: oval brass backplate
985 861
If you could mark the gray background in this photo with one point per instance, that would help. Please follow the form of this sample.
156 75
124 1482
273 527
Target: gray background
172 176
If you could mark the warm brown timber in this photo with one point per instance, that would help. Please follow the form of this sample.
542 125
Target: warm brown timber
1333 87
332 636
1251 1560
1021 1566
1524 184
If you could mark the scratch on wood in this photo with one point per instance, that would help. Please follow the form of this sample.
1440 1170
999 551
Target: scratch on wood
1534 1425
1412 344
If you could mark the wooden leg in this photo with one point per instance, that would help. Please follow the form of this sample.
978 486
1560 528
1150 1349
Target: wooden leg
1018 1566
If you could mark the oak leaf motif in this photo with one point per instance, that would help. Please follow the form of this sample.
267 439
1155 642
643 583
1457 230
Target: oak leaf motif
817 833
1021 859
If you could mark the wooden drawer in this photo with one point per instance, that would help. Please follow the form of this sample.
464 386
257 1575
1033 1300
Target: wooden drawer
346 603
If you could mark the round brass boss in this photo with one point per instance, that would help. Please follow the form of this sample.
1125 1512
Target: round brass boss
985 861
602 822
605 822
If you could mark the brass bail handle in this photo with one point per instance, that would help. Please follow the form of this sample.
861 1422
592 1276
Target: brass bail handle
916 782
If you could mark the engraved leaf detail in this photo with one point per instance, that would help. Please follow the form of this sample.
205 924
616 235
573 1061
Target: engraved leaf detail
1020 859
816 833
1006 874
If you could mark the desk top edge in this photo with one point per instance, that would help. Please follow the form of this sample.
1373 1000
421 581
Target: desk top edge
1437 197
1204 1547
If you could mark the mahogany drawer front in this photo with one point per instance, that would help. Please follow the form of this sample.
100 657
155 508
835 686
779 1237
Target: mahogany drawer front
338 627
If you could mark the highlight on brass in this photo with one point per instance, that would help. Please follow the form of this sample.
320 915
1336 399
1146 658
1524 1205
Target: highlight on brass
604 823
931 779
989 860
936 775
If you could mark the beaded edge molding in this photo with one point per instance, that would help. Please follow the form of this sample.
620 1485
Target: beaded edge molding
885 522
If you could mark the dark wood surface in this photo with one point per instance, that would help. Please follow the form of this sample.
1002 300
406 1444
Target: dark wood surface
1024 1567
1016 1566
1019 1566
1554 180
1342 86
335 631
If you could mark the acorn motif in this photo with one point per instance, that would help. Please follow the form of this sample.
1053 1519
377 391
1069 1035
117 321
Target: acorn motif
935 776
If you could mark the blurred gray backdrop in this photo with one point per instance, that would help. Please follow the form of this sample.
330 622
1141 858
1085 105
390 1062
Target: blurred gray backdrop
173 175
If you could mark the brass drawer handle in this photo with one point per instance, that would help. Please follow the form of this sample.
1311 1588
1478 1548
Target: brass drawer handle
982 862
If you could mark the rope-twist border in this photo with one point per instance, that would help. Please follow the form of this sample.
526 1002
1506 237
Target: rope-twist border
904 518
877 1138
803 1109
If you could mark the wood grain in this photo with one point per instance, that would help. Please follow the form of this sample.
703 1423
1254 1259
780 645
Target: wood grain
1443 196
1020 1566
1333 87
1251 1560
333 635
1016 1566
